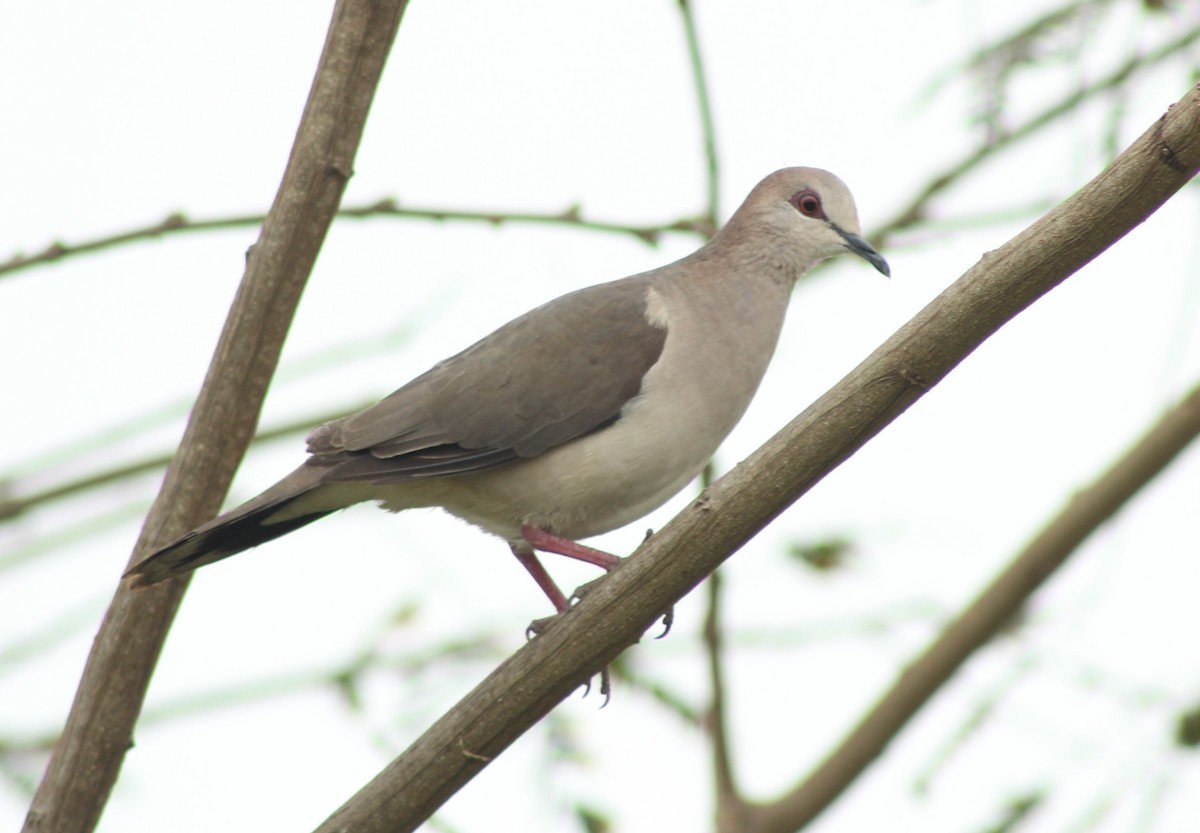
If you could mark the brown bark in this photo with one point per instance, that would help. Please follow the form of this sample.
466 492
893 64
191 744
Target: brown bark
99 730
615 614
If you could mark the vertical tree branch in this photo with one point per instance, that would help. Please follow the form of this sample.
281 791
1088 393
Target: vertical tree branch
88 756
731 810
707 127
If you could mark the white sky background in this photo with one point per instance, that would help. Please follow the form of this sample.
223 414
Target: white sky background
116 115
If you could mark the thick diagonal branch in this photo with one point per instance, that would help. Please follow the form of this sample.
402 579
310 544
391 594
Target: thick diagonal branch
616 613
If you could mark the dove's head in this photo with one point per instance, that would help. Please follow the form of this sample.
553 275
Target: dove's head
806 214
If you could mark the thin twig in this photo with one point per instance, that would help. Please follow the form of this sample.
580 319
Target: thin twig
13 505
476 650
179 223
731 809
707 126
1015 47
572 217
918 207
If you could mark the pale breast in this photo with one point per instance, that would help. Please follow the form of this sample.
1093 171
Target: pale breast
709 370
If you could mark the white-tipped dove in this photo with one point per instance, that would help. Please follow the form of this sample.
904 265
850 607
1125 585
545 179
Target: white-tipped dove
578 417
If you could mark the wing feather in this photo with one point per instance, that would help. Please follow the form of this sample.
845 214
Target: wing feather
554 374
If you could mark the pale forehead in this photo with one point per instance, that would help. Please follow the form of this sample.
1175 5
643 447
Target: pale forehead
819 180
784 183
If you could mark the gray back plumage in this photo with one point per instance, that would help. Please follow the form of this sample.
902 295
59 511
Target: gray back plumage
514 394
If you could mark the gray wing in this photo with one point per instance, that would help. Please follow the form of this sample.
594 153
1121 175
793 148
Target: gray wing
555 373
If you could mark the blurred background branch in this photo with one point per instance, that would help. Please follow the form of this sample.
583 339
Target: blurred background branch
1045 74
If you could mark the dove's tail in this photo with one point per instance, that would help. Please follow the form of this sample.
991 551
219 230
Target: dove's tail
297 500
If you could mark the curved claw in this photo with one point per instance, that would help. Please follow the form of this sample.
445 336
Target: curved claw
539 626
668 619
585 588
605 686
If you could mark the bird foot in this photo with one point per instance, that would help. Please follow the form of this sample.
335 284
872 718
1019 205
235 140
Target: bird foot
584 589
539 626
605 686
668 617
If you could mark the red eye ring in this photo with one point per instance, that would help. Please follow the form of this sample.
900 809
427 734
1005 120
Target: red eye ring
808 203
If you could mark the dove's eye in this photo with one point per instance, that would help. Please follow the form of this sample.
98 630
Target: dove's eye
808 203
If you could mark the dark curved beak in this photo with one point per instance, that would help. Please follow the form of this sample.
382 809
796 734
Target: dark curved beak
863 249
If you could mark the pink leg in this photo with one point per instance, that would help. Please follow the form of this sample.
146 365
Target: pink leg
529 561
545 541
